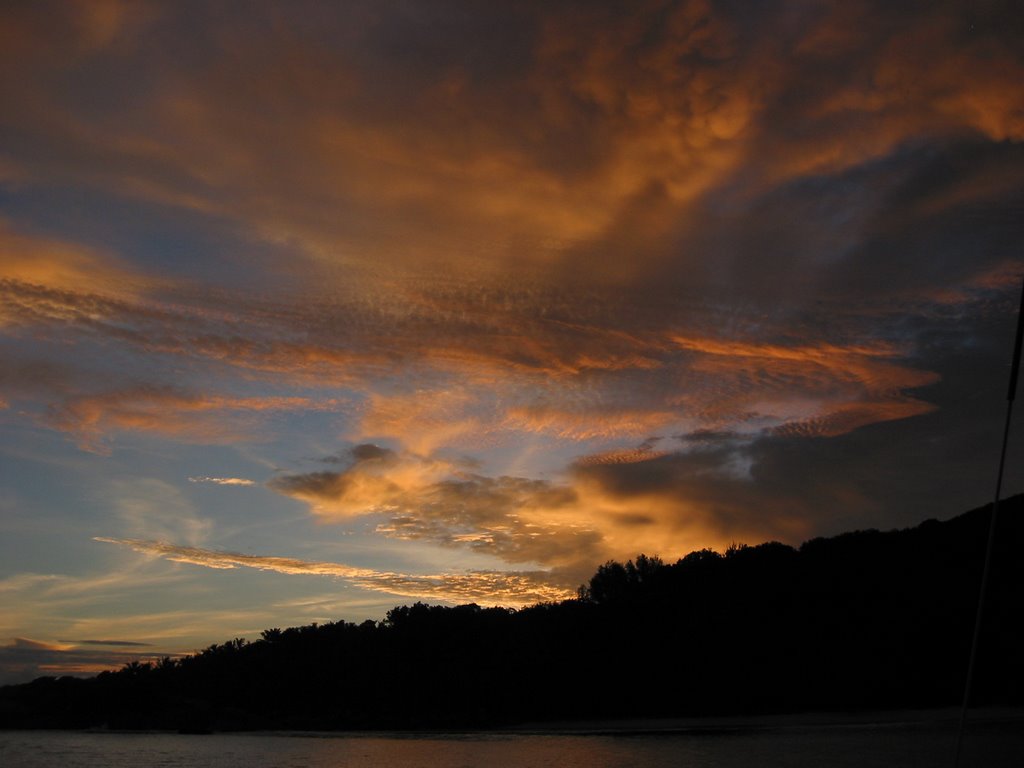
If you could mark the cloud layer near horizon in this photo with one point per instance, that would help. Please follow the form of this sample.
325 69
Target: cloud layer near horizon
24 659
513 588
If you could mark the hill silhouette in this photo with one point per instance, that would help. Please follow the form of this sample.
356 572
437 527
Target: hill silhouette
866 619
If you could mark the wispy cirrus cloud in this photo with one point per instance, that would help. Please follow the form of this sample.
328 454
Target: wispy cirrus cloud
113 643
456 361
223 480
83 404
191 417
822 388
644 452
514 588
32 262
572 396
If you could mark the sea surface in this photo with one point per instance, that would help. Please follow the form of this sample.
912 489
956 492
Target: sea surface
995 742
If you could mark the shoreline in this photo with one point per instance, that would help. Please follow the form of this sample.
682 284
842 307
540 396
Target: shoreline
902 718
696 726
800 720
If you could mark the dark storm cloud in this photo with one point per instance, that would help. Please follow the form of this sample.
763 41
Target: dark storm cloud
885 475
370 452
922 219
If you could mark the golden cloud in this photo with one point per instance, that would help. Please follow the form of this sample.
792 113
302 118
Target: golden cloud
509 588
41 261
515 518
627 456
590 118
466 176
611 507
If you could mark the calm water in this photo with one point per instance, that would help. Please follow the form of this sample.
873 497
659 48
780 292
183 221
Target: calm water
992 744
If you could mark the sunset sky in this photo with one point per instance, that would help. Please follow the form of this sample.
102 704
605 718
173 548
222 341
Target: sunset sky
311 309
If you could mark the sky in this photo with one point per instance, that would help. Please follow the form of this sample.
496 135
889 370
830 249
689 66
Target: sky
312 309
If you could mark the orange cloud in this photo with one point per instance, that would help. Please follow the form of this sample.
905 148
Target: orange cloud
856 364
509 588
598 420
677 503
824 387
515 518
449 173
457 370
846 417
171 413
628 456
199 329
596 127
65 269
426 418
863 79
496 242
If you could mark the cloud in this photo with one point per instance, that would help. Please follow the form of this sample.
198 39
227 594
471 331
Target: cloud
537 234
181 415
92 417
33 261
611 506
153 508
23 643
458 383
813 389
644 452
23 659
689 499
550 137
517 519
469 360
103 608
222 480
118 643
513 588
175 320
583 130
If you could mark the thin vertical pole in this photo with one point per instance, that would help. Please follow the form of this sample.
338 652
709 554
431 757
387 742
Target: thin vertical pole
1010 396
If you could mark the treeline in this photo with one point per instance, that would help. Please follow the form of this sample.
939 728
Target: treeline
861 620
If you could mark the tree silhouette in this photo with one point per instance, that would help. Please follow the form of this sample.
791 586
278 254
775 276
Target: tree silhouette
863 619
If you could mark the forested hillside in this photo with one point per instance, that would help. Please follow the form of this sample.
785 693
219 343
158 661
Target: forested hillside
866 619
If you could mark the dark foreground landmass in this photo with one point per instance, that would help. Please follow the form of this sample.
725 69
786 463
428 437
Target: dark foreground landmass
862 621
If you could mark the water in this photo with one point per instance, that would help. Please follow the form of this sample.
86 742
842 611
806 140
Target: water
994 744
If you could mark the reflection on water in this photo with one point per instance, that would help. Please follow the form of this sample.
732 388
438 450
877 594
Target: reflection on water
993 744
